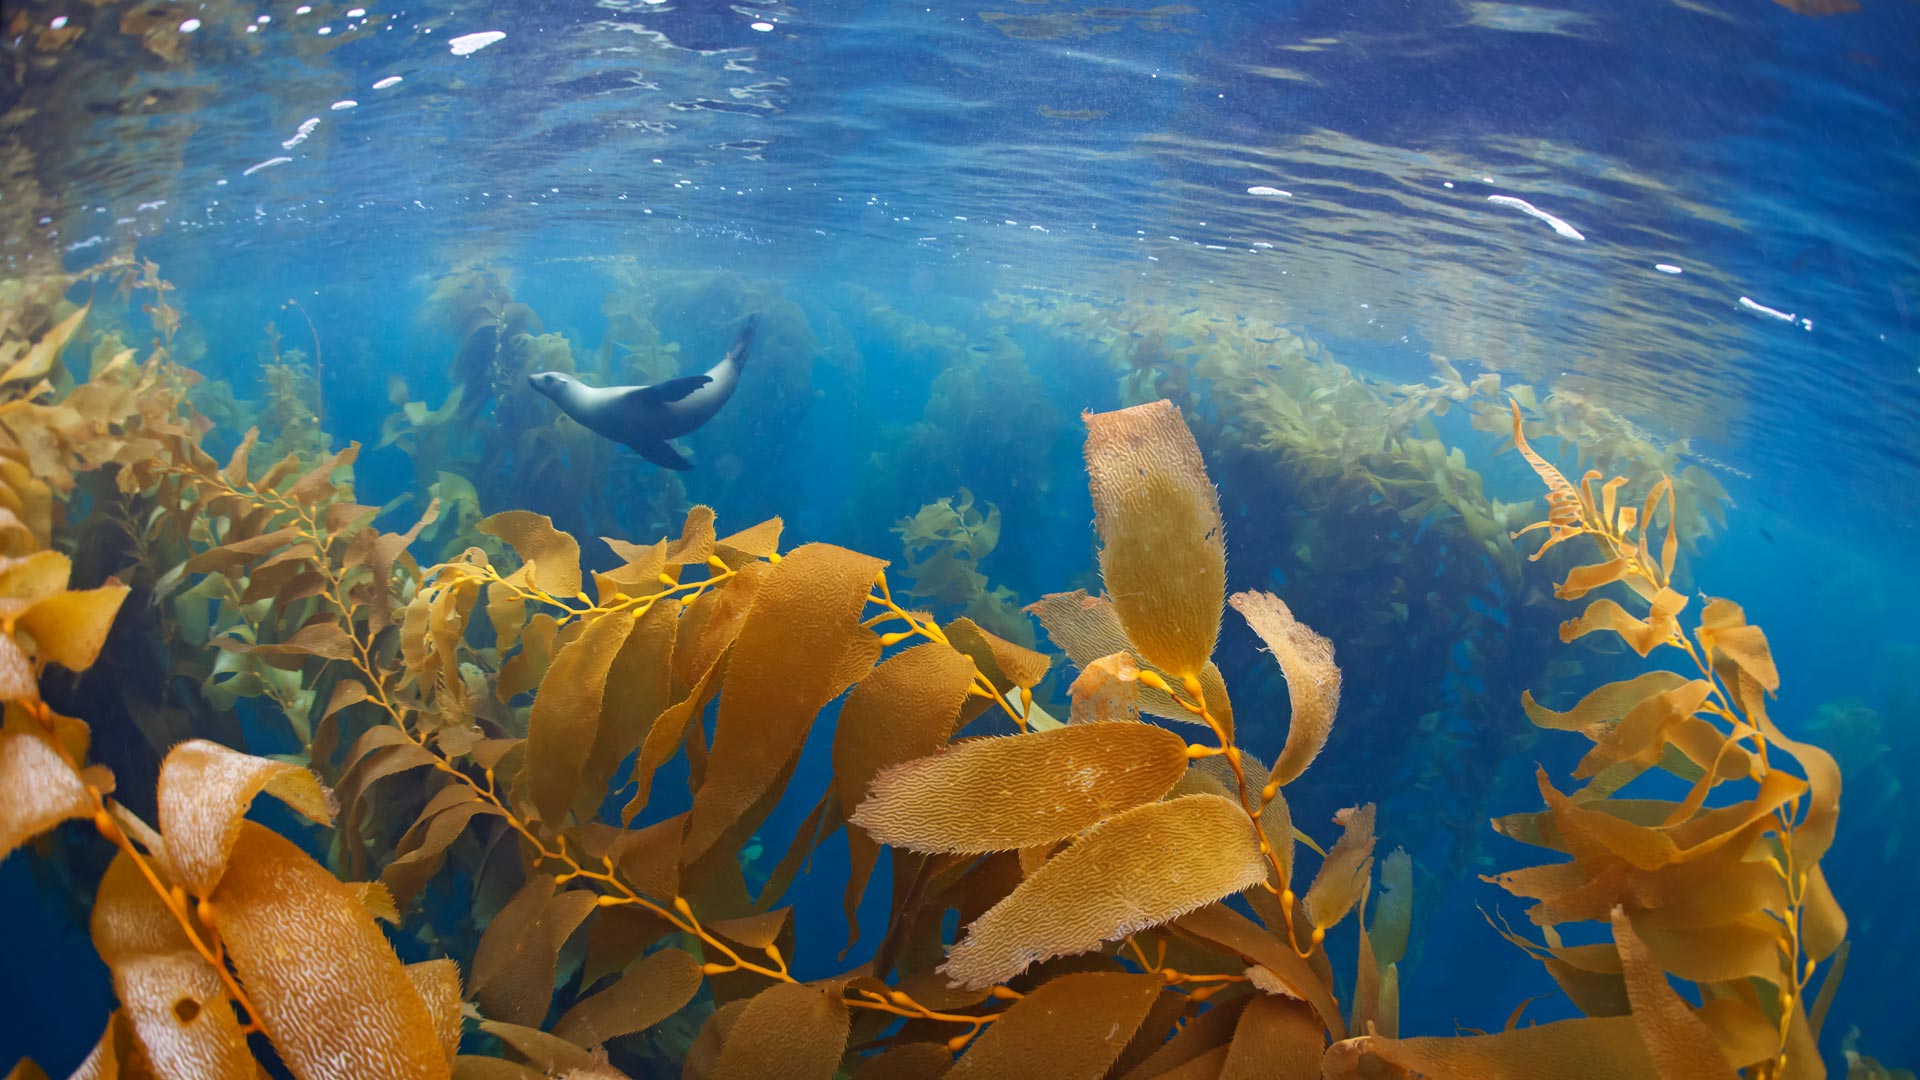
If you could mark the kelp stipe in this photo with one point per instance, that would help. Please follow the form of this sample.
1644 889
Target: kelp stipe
1728 898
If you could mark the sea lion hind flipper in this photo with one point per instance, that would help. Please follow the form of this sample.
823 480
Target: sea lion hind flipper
672 390
663 455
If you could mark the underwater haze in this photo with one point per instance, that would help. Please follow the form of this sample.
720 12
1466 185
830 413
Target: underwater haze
1220 539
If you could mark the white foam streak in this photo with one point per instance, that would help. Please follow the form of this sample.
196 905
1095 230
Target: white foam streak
1533 211
466 44
1761 309
267 164
300 136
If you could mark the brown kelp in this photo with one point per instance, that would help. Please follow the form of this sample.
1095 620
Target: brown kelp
1133 895
189 912
1728 898
626 672
944 542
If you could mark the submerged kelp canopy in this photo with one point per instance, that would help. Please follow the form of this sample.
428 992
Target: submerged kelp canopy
486 737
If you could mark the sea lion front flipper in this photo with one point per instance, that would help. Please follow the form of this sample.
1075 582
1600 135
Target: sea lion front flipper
663 455
672 389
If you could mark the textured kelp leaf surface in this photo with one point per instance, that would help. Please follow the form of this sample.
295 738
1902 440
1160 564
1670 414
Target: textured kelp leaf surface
1163 554
205 790
802 1028
649 992
173 998
1585 1049
513 967
1068 1028
566 714
38 789
998 794
801 645
1136 870
1313 681
332 996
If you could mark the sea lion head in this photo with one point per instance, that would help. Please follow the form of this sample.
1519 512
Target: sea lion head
550 383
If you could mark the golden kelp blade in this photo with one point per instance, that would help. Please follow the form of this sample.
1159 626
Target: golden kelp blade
1087 628
332 996
1682 1046
905 708
1343 875
1163 552
998 794
1107 690
205 790
172 996
553 555
1275 1037
1591 1048
804 1028
1069 1028
1136 870
566 714
1313 680
38 789
513 966
649 992
438 983
69 628
800 646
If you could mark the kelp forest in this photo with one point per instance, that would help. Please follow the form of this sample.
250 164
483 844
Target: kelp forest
498 779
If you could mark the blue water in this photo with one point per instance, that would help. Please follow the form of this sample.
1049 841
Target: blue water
1323 166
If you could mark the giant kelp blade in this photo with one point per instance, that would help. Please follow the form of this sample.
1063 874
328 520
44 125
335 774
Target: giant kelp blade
1004 663
549 1055
998 794
1681 1045
424 847
907 1061
438 984
1589 1048
171 995
1138 869
1642 635
39 356
205 790
1393 916
1276 1039
1068 1028
1313 680
553 555
513 966
566 714
1087 628
1197 1051
1342 878
1230 932
801 645
803 1028
1727 636
38 789
70 627
905 708
332 996
1163 553
639 687
649 992
1604 705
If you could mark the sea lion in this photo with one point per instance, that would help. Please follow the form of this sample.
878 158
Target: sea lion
645 417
